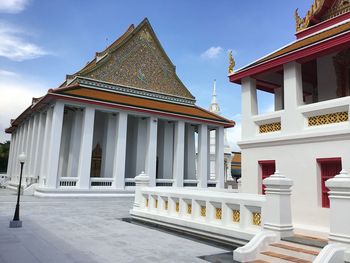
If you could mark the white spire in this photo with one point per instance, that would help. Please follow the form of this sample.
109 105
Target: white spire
214 106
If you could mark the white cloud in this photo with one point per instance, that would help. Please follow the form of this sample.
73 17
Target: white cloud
5 73
13 6
16 96
14 47
212 53
233 136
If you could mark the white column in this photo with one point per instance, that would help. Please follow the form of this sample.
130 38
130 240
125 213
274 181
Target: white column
54 144
39 144
179 154
219 157
190 153
278 99
120 151
74 146
33 143
45 150
86 148
19 149
339 197
151 152
249 107
277 213
26 145
202 156
11 154
292 120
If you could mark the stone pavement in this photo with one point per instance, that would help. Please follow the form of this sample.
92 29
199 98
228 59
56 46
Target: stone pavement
86 230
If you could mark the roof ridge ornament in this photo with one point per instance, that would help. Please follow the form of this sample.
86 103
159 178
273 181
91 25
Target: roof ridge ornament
232 62
305 22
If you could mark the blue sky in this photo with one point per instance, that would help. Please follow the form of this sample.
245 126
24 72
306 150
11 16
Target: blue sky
42 41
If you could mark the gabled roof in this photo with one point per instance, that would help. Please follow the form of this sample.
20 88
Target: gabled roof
328 39
135 59
111 99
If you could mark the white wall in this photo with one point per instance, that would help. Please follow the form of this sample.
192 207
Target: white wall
298 162
326 78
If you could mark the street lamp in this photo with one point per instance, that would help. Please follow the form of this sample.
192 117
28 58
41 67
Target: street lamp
16 222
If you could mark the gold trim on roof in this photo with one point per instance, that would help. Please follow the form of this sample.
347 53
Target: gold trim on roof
336 8
305 22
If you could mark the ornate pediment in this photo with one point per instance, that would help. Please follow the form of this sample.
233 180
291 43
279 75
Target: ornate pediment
138 61
321 10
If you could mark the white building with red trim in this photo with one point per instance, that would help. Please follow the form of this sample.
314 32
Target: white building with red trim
126 112
307 136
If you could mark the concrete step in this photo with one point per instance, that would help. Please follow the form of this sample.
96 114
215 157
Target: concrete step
307 240
288 252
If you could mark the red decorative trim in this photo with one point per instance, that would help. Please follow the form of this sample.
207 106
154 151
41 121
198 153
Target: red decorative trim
325 160
307 52
322 25
266 162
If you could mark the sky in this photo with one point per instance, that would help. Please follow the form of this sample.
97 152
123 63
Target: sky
41 41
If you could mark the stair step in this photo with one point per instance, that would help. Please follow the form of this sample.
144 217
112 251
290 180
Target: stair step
307 240
295 249
285 257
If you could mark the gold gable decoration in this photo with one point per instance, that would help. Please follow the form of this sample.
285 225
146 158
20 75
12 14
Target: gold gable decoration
329 11
137 60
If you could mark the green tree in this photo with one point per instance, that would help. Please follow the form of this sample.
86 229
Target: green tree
4 156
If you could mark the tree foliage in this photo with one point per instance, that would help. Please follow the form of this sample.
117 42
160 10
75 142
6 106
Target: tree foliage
4 155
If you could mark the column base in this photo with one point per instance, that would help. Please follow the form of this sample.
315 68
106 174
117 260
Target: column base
15 224
280 230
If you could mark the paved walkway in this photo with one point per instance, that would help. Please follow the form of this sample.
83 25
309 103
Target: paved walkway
86 230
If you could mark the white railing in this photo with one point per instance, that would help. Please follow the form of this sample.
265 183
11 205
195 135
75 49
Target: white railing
321 114
268 123
164 182
68 181
129 182
225 214
101 182
307 118
211 183
190 183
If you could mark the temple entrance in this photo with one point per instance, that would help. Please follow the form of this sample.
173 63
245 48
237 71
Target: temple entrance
96 160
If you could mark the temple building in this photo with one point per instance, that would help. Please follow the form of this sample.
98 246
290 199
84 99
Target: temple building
215 108
124 113
307 136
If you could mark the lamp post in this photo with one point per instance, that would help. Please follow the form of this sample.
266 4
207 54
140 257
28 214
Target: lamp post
16 222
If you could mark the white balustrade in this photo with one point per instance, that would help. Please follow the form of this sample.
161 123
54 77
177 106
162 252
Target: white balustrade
68 181
314 115
190 183
220 214
164 182
96 182
129 182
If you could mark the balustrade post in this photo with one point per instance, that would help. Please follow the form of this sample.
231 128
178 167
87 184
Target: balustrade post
239 185
277 214
339 196
142 180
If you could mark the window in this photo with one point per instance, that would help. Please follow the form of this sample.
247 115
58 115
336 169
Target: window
267 168
329 168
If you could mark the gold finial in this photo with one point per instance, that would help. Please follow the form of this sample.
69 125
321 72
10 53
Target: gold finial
232 62
298 20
